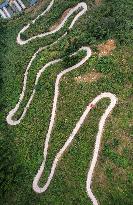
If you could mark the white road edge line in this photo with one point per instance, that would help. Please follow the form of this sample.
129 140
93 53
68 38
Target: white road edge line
112 98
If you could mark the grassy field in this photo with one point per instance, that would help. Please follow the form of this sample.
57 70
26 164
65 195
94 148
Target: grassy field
21 146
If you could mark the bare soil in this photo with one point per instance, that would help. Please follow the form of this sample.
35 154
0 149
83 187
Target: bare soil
89 77
60 20
107 47
98 2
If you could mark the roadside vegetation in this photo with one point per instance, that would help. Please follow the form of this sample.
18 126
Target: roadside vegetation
21 147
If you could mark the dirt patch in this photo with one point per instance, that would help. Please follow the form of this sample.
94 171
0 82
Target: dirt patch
89 77
100 177
98 2
125 143
60 20
107 47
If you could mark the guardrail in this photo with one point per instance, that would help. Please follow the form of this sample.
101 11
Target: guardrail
10 7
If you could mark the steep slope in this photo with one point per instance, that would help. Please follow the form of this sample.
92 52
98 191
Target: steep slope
22 145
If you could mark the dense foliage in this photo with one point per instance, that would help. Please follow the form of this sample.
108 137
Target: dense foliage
21 147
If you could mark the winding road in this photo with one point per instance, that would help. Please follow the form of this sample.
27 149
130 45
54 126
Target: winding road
81 8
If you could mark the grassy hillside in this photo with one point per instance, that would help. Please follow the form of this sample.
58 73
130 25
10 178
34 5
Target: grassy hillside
21 146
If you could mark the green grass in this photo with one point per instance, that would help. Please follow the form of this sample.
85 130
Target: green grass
21 147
